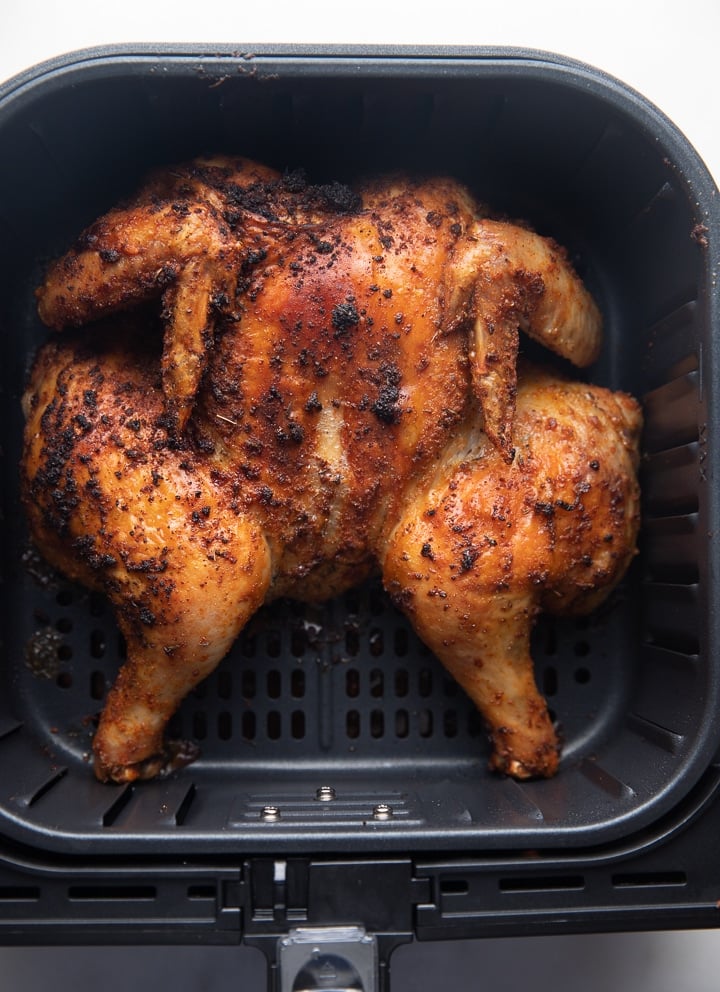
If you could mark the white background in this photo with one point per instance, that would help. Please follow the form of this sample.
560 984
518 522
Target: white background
667 51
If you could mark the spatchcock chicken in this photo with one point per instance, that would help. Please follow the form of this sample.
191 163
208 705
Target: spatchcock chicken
286 387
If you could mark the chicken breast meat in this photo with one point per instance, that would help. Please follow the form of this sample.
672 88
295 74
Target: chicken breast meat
307 384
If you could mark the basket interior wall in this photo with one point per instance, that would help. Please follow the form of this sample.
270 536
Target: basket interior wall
344 695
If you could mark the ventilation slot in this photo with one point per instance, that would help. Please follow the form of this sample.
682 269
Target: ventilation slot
112 893
655 734
604 780
46 787
667 354
671 414
672 617
28 797
19 893
8 726
548 883
649 880
670 481
671 549
204 892
111 814
454 887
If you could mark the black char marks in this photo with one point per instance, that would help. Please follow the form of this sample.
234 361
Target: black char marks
386 407
275 200
344 317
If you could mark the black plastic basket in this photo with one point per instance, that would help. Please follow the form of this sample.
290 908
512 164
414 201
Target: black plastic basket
343 777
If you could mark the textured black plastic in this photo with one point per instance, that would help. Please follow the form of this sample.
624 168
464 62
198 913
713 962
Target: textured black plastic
344 695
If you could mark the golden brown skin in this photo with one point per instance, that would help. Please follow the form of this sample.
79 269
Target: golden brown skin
483 547
335 391
215 235
117 506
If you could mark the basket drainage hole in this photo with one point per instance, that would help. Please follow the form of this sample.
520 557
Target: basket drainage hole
450 723
248 645
97 644
352 724
297 683
402 724
273 645
377 723
248 685
402 683
550 682
401 642
298 642
97 604
274 725
97 685
582 676
377 683
297 725
249 725
376 643
199 725
64 680
425 718
225 685
225 726
274 684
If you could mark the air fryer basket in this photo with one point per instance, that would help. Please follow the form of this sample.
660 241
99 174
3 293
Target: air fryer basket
336 716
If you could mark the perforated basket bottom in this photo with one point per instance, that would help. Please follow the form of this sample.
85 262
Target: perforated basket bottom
341 697
343 681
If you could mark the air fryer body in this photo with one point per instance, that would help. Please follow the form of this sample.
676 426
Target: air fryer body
336 717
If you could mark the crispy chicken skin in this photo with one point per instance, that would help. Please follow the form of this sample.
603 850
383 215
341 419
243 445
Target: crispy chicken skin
482 547
226 240
330 387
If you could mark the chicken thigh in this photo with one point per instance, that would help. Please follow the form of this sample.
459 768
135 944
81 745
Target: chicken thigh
330 388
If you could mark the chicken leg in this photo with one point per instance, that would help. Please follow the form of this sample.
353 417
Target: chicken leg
148 525
486 546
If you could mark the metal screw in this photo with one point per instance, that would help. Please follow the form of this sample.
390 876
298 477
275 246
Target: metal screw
382 812
270 814
325 794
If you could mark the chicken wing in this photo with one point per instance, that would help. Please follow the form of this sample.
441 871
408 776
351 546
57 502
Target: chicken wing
208 237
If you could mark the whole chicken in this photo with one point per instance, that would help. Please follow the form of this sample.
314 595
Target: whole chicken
327 386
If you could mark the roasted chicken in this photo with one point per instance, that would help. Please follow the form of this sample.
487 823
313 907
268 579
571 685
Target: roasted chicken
307 384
